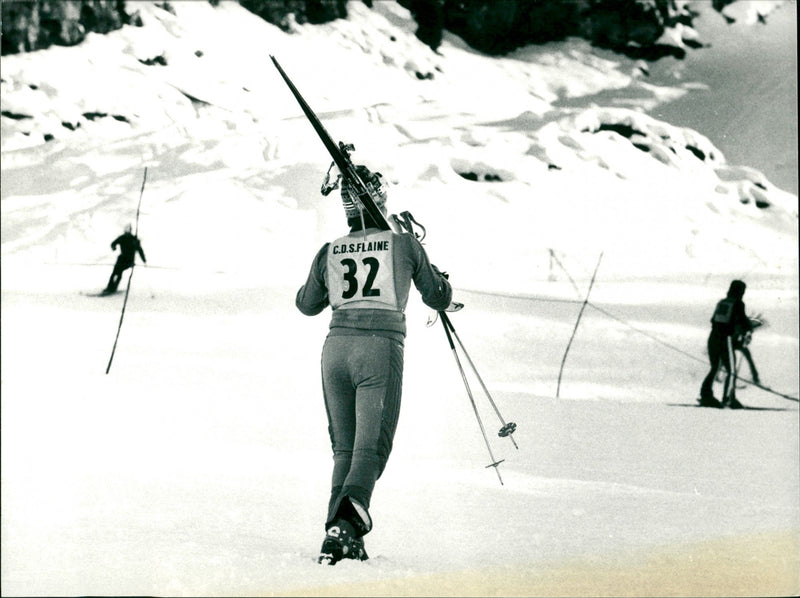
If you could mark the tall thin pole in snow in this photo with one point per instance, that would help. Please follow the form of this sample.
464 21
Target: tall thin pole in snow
130 276
574 330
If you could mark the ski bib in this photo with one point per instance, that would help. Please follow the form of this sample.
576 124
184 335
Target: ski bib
360 272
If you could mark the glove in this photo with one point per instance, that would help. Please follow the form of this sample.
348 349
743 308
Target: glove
440 273
327 186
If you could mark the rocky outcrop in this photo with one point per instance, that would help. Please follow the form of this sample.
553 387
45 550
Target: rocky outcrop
499 27
645 29
283 12
37 24
633 27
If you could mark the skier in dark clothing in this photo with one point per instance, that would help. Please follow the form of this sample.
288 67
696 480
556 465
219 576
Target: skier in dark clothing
129 246
728 320
365 277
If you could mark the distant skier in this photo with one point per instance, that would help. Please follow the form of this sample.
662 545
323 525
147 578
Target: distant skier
728 320
365 277
129 246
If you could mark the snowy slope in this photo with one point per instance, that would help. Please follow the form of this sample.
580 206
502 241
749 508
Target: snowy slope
199 465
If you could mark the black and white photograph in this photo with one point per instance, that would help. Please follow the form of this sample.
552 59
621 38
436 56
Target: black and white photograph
399 298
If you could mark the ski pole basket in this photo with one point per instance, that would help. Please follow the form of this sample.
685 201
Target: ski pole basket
507 430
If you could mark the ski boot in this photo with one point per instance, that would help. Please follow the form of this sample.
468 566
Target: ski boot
357 550
340 543
709 401
732 403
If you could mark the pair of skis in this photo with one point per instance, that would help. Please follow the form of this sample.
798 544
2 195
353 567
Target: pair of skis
405 222
341 155
340 152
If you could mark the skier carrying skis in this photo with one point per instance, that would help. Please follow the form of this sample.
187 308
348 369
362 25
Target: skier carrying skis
728 320
128 247
365 277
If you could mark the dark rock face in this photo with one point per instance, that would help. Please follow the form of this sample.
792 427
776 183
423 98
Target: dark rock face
305 11
494 27
498 27
29 25
616 23
429 15
633 27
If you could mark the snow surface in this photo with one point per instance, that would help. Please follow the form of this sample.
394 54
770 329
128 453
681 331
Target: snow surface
200 464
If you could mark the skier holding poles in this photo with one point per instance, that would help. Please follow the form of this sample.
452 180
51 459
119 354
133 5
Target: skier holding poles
365 277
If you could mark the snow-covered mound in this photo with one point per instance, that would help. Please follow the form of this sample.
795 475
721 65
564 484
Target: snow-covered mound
177 89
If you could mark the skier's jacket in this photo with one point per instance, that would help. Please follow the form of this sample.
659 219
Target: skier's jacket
128 246
365 277
729 318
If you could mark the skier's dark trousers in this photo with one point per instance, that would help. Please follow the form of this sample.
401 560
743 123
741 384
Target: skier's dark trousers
129 246
728 320
365 277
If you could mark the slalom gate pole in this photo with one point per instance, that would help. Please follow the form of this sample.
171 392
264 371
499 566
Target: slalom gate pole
553 256
130 276
769 390
574 330
494 462
139 205
508 428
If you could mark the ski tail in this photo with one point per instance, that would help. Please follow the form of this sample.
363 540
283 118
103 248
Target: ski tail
340 154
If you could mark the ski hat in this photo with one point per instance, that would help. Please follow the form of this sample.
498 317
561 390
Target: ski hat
128 228
737 289
375 183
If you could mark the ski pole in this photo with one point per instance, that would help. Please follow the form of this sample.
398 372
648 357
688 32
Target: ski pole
733 370
130 276
507 429
494 462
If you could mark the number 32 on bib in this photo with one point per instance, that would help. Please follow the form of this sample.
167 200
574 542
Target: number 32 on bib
360 272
